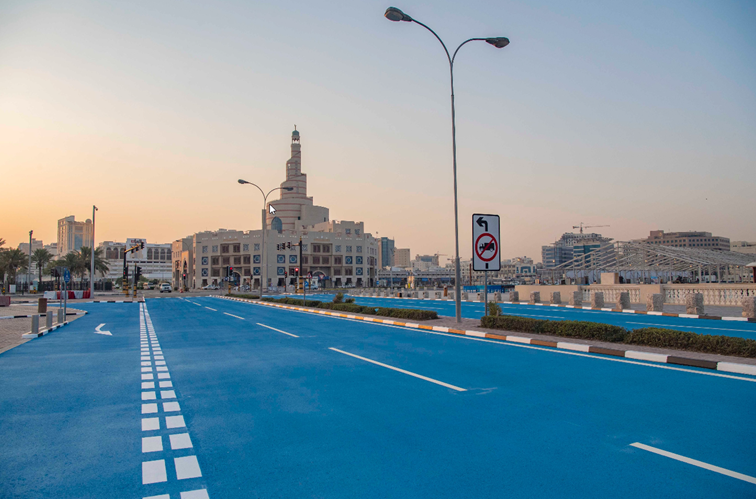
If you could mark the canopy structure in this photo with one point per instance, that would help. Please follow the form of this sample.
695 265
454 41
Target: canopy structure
636 260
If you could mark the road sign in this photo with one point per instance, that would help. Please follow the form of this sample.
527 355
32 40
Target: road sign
66 276
486 242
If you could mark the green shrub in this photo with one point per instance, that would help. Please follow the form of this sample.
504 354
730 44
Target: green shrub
349 300
682 340
584 330
493 309
339 298
248 297
407 313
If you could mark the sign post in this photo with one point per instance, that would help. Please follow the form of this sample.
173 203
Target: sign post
66 280
486 248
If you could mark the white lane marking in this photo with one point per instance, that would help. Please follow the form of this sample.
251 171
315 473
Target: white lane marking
148 395
232 315
693 327
175 422
166 384
149 409
171 407
152 444
153 472
148 385
214 310
401 370
187 467
181 441
195 494
533 347
277 330
97 330
695 462
167 394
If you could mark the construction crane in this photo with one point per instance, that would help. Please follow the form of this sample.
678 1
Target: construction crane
581 226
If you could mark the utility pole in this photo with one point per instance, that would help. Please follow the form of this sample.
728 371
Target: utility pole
92 263
28 269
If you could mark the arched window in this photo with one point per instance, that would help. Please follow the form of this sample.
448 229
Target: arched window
149 253
276 224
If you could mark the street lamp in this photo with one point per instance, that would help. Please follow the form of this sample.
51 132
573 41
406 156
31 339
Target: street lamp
394 14
92 262
264 278
28 269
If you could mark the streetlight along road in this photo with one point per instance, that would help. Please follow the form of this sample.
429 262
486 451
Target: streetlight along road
264 281
394 14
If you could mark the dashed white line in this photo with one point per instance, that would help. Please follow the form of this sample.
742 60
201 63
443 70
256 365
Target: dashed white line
277 330
232 315
153 472
187 467
214 310
420 376
695 462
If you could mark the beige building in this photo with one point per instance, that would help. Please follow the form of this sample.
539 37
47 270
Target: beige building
340 253
36 244
699 240
746 247
72 235
402 258
154 259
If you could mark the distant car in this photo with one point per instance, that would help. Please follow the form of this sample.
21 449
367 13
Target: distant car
211 286
165 287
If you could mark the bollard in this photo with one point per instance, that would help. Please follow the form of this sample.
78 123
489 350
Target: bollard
61 317
535 297
597 299
49 320
514 296
35 324
655 303
576 300
694 304
42 306
481 297
497 297
556 298
624 301
749 307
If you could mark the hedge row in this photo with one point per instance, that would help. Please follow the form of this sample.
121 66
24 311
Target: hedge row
248 297
398 313
650 337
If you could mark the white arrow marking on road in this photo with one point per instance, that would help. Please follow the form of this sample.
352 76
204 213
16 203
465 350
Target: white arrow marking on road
97 330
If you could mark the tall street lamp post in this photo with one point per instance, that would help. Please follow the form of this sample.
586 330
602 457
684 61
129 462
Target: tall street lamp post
394 14
92 259
28 269
264 279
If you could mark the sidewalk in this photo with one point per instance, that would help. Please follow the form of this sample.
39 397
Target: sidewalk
12 329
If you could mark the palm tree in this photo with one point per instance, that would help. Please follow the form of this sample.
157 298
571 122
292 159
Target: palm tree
12 260
101 265
74 263
41 257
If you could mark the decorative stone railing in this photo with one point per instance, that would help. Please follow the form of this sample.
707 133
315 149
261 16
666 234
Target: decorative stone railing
713 294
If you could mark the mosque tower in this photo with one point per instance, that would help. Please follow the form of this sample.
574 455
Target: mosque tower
294 209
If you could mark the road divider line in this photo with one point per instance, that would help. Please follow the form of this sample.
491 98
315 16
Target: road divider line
214 310
420 376
232 315
694 462
278 330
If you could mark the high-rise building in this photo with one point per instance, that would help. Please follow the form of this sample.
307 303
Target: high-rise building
72 235
387 252
569 246
699 240
294 210
402 258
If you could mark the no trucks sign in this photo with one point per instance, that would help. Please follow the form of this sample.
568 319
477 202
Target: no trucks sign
486 247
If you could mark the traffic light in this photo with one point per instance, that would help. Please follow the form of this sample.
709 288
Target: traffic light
288 245
141 245
125 273
137 273
286 274
296 269
230 271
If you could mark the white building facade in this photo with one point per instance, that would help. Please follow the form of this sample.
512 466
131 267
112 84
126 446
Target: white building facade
155 259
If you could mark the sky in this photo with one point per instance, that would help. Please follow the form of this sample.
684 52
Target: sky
637 115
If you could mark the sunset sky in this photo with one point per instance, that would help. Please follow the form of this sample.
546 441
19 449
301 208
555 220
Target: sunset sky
638 115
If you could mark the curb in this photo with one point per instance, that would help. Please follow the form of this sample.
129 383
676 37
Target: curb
615 310
41 315
729 367
46 331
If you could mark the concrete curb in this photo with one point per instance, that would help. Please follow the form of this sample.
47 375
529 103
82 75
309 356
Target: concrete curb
47 331
729 367
41 315
615 310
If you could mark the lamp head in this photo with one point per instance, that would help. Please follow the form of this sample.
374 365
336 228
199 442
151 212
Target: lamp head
243 181
394 14
499 42
288 188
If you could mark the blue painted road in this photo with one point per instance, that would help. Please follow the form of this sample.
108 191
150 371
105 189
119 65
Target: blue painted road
264 402
473 310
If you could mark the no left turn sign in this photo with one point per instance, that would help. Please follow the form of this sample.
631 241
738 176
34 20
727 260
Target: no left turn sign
486 245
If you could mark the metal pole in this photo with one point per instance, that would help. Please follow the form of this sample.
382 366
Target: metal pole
28 269
264 283
485 294
92 263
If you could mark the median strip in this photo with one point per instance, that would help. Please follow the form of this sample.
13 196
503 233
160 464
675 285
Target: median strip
420 376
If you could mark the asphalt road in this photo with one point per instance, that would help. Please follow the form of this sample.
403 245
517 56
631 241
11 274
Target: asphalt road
257 402
474 310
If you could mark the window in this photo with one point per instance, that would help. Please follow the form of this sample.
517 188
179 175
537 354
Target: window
246 270
247 259
347 270
348 249
281 258
316 260
304 247
257 246
359 260
226 260
256 259
359 249
316 248
326 248
216 272
356 232
215 248
326 260
204 260
216 260
337 249
245 247
237 260
337 260
237 248
224 248
347 231
292 258
349 260
337 271
305 259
